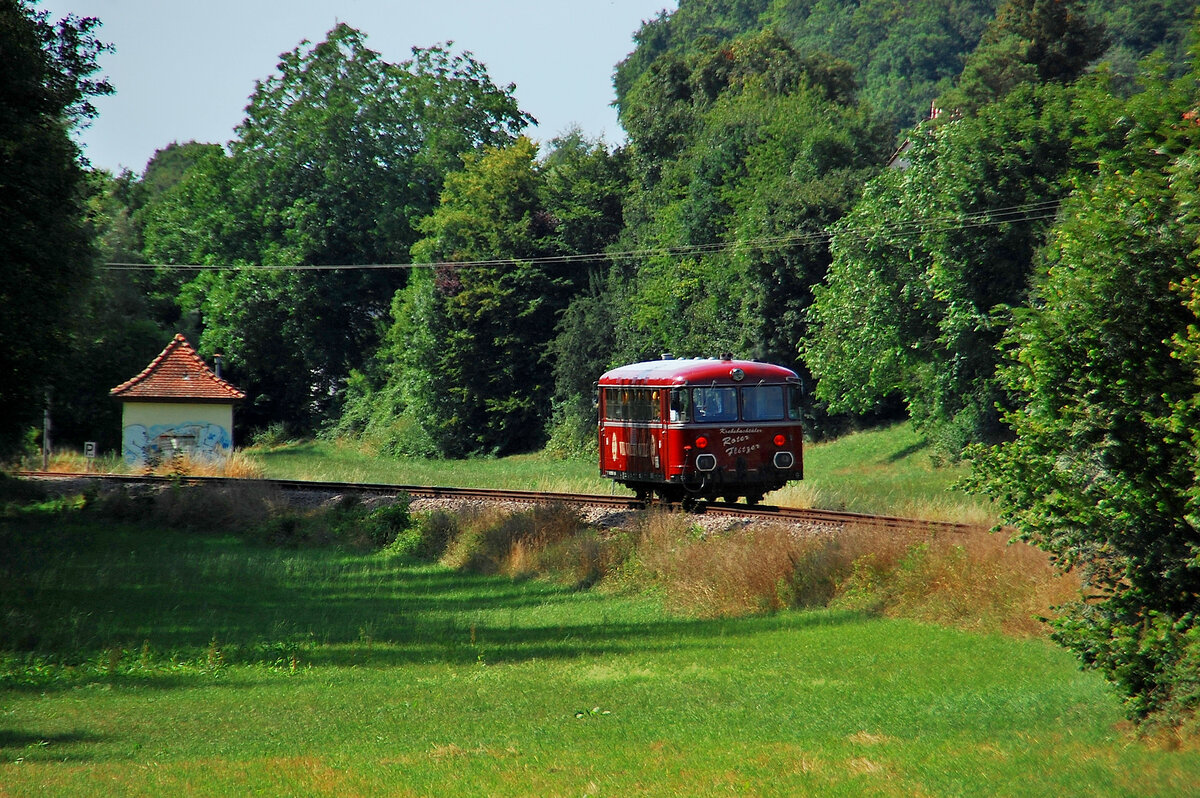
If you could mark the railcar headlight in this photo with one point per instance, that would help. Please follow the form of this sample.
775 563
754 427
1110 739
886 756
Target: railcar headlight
780 439
702 442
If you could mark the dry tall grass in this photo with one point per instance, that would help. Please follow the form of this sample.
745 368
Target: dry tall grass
237 464
713 575
549 538
973 580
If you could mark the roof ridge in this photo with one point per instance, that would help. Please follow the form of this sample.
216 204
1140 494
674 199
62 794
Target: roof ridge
170 376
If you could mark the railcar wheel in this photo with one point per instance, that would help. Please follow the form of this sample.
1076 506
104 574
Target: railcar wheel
672 495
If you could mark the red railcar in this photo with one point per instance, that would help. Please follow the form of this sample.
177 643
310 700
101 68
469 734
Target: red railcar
702 429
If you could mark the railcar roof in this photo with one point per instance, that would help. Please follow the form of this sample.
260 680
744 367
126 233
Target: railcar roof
694 371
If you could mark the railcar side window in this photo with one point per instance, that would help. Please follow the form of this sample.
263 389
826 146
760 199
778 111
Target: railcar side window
715 404
762 403
632 404
649 406
611 400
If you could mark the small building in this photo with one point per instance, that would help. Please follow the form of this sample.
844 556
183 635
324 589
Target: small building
176 406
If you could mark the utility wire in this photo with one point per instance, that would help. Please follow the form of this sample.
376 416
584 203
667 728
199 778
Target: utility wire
991 217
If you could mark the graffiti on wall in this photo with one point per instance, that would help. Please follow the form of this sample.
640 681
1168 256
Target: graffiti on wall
159 442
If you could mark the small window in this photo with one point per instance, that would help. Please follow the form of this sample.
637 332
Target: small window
612 404
681 404
795 402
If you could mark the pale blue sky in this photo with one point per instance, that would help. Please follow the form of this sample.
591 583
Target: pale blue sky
184 70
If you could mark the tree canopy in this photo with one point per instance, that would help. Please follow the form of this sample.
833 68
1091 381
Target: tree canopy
926 264
340 156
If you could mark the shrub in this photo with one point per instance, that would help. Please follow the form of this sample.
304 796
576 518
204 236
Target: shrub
1152 658
274 434
383 525
430 536
347 521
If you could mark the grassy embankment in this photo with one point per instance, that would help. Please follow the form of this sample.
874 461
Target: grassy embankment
888 471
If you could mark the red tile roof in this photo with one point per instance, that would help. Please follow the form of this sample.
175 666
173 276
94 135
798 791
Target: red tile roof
178 374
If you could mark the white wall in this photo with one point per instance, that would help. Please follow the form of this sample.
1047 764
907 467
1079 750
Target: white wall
152 429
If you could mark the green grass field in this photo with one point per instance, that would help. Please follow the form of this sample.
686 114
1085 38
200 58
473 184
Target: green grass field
145 661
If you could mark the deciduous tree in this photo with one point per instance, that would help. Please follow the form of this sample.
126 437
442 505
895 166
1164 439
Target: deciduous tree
339 156
925 266
1103 364
45 250
474 342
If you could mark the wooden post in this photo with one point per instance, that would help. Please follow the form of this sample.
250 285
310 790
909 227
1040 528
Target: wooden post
46 434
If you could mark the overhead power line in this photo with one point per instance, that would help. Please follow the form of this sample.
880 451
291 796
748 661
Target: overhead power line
991 217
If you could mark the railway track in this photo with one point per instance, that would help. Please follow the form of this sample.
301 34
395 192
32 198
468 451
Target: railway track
827 518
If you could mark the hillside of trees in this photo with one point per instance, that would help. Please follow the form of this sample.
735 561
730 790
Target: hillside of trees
979 215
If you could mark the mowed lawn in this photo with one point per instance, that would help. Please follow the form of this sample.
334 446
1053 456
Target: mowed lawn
200 664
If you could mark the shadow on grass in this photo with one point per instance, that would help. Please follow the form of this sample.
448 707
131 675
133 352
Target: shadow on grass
908 451
138 608
26 746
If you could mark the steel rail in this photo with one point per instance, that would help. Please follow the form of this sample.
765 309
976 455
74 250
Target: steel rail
828 518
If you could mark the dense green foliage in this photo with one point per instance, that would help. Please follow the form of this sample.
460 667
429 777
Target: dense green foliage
470 338
923 263
467 368
1102 471
906 54
45 249
743 153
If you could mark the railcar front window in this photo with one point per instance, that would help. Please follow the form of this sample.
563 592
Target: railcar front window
763 403
715 404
